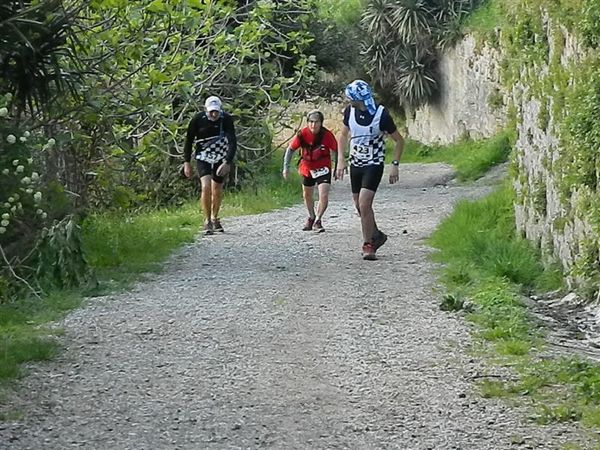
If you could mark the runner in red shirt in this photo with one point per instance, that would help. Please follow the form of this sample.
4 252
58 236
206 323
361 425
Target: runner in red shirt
316 144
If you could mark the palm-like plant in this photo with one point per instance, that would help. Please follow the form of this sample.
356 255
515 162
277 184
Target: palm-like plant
416 79
376 19
449 10
411 18
403 37
379 65
34 41
448 35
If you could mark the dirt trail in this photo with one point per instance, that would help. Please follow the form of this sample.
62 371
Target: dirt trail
270 337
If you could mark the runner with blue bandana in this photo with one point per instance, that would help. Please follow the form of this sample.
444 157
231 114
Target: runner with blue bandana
366 125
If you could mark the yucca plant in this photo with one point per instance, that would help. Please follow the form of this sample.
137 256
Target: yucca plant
446 11
448 35
416 80
411 18
402 38
34 41
379 65
376 19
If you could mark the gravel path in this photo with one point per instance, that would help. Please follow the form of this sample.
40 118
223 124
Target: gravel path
270 337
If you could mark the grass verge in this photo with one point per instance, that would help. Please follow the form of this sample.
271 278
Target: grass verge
486 270
470 159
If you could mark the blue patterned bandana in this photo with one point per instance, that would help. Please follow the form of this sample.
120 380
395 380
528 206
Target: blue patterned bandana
359 90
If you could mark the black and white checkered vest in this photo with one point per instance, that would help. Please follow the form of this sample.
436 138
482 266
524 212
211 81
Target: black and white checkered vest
212 150
366 141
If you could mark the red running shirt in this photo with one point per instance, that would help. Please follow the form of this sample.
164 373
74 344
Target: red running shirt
317 158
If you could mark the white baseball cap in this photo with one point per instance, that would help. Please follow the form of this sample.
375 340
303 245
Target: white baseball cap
212 103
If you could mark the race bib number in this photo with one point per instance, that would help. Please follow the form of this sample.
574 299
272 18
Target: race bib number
363 152
210 158
316 173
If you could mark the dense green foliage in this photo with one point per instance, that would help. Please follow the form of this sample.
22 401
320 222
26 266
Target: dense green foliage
95 98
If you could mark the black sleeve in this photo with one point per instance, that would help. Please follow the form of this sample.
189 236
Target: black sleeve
229 131
189 138
347 116
387 123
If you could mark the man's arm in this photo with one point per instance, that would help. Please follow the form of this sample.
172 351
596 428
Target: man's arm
341 161
398 149
187 148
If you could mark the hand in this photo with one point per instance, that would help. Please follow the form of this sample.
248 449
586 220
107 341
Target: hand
394 174
187 169
223 169
285 174
339 173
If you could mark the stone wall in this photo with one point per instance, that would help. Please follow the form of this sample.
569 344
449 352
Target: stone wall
557 225
470 102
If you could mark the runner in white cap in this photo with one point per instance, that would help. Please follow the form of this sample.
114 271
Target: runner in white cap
213 134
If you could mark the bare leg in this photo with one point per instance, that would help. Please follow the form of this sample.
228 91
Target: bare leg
367 216
307 194
217 198
355 198
323 199
206 197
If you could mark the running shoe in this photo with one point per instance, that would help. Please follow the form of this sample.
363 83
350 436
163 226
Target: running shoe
208 227
309 224
318 226
216 223
368 252
379 238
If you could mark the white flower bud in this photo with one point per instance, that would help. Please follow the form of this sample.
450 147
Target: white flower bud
29 190
15 162
8 97
37 196
11 139
5 223
3 112
26 180
26 134
51 142
20 169
11 199
23 139
5 171
14 209
29 160
44 215
34 176
6 216
6 205
2 230
38 211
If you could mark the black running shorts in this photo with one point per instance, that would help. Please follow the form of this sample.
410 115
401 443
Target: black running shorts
367 177
205 168
310 181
